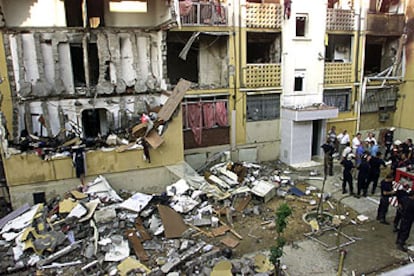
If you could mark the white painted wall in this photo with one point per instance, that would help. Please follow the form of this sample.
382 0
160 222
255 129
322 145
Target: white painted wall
157 13
34 13
296 147
303 53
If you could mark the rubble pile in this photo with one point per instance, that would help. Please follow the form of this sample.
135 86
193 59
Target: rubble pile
189 228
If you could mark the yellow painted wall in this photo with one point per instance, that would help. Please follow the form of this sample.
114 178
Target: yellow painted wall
371 121
6 103
404 114
29 168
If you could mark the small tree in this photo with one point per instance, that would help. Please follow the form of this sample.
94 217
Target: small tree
276 251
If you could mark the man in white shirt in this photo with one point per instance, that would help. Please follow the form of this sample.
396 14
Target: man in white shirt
343 139
371 137
356 141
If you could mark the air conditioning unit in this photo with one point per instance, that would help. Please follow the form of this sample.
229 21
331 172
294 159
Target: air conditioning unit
383 117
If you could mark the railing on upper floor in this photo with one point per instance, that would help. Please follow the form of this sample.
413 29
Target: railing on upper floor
268 16
338 72
262 75
203 14
340 20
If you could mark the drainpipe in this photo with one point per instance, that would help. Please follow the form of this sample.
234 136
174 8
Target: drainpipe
236 75
361 79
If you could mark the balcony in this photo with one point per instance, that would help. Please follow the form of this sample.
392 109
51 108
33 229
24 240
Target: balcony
203 14
268 16
261 75
385 24
338 72
340 20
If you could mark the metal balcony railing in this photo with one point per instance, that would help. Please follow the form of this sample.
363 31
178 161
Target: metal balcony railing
268 16
262 75
204 14
338 72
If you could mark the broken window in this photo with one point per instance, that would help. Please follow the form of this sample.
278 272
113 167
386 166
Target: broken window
78 68
299 80
73 12
199 58
93 64
182 68
95 11
381 99
263 47
301 25
383 6
380 53
205 121
340 98
95 122
262 107
338 48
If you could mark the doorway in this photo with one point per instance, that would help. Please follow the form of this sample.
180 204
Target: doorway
316 137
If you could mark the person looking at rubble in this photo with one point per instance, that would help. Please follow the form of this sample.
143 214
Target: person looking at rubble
371 138
343 139
363 172
388 142
78 159
401 192
356 141
332 138
375 164
347 150
347 174
407 219
386 192
329 150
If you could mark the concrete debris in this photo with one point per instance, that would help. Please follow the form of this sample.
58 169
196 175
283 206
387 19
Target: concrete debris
186 230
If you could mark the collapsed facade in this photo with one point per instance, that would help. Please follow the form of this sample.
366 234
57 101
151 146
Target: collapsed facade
91 69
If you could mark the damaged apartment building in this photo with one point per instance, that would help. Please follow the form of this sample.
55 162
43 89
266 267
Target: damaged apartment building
261 79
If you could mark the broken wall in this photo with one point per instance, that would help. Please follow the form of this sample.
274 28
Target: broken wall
38 171
158 12
26 13
46 64
31 13
213 62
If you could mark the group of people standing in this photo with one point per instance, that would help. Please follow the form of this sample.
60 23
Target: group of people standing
362 155
363 158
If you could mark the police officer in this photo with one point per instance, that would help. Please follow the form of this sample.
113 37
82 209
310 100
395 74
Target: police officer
406 221
329 150
347 173
386 192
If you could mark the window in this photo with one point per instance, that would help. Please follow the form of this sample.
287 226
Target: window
207 112
78 69
263 47
339 98
263 107
128 6
299 79
383 99
301 20
205 121
94 122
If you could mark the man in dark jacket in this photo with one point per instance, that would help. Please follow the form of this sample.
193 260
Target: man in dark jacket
347 173
406 221
375 163
386 192
363 172
329 150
